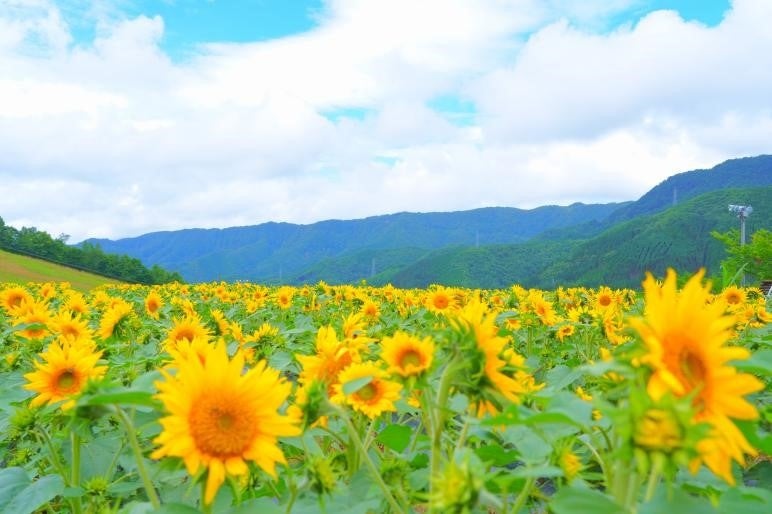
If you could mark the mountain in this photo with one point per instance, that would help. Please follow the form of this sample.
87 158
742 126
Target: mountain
280 252
488 247
678 237
734 173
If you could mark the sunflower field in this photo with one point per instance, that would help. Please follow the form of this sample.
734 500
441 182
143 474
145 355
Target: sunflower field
244 398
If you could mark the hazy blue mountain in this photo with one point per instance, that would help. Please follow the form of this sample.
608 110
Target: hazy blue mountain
280 252
471 248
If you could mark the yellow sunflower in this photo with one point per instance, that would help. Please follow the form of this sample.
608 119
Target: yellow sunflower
407 355
112 317
189 327
685 337
284 297
65 370
71 327
153 304
440 300
332 356
12 298
493 348
733 296
373 398
76 303
219 417
35 314
566 331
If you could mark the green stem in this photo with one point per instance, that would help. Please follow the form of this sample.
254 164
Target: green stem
654 474
369 463
523 496
443 392
75 470
206 508
132 437
462 435
54 455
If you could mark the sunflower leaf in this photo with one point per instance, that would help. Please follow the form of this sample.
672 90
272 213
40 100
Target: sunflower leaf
396 437
20 495
352 386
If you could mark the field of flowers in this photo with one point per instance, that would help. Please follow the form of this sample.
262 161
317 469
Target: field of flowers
242 398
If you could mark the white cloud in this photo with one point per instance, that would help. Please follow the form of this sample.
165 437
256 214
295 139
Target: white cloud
114 138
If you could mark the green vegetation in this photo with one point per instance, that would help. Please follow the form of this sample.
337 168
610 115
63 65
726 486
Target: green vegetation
753 258
279 252
88 257
21 269
679 237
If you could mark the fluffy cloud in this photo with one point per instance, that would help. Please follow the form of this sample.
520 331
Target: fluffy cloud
115 138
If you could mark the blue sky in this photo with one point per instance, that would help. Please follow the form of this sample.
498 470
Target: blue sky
169 114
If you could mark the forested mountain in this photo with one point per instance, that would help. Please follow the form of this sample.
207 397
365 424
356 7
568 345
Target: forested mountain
679 237
490 247
280 252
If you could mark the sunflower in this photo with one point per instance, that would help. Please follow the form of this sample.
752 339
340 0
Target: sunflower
35 314
189 327
605 299
64 372
371 399
331 357
543 309
284 297
493 350
566 331
71 327
153 304
685 338
112 318
219 417
440 300
370 309
407 355
733 296
76 303
13 298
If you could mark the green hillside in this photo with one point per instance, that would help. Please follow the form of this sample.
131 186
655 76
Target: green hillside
20 269
678 237
273 252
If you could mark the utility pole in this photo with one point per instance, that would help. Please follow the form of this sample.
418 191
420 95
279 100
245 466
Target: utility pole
743 211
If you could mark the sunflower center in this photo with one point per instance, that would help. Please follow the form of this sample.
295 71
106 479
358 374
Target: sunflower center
185 333
367 392
733 298
70 330
222 427
66 380
605 301
692 369
441 302
410 358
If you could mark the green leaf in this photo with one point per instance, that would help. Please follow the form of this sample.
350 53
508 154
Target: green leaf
759 363
395 437
543 471
496 455
140 398
352 386
20 495
176 508
677 501
571 500
735 502
261 505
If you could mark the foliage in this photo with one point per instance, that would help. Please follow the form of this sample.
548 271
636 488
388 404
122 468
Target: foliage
754 258
89 257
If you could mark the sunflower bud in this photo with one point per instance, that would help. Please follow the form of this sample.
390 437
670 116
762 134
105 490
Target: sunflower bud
458 487
658 430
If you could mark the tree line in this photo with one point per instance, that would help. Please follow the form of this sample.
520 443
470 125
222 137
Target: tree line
87 256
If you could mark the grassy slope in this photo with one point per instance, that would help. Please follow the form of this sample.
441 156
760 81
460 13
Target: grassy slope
21 269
